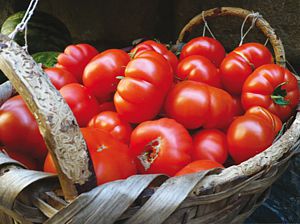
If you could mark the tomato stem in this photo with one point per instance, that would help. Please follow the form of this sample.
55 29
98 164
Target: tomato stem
279 95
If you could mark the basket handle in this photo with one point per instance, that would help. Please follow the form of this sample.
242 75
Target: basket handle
54 117
261 24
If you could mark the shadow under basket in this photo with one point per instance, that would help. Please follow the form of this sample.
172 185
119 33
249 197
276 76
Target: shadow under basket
227 195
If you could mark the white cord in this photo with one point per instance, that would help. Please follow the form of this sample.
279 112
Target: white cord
255 16
206 26
23 24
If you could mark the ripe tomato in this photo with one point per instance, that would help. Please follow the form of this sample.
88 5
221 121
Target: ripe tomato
82 103
247 136
197 166
75 58
274 121
238 109
151 45
161 146
49 166
141 93
19 131
272 87
26 160
111 159
195 104
200 69
100 74
210 144
204 46
113 123
107 106
240 63
60 77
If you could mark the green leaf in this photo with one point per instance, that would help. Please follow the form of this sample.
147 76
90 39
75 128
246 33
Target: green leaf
48 59
279 94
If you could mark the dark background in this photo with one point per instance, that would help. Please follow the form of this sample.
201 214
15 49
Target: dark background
116 23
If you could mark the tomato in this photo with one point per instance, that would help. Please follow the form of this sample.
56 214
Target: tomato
82 103
204 46
151 45
101 73
60 77
26 160
113 123
111 159
274 121
49 166
107 106
197 166
141 93
195 104
75 58
240 63
210 144
161 146
247 136
272 87
238 109
19 131
199 68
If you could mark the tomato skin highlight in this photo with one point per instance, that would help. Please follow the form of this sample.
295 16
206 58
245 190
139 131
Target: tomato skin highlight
197 166
195 104
112 123
210 144
19 130
101 73
260 88
240 63
204 46
199 68
110 157
75 58
140 95
82 103
161 146
60 77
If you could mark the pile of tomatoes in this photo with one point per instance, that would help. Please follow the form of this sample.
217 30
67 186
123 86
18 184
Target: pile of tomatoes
148 111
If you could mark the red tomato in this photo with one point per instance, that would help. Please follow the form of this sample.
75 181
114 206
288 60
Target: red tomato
100 75
19 131
151 45
195 104
204 46
210 144
200 69
272 87
49 166
113 123
75 58
111 159
24 159
107 106
247 136
274 121
82 103
238 109
60 77
141 93
161 146
240 63
197 166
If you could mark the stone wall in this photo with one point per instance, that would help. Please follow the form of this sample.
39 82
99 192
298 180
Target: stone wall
116 23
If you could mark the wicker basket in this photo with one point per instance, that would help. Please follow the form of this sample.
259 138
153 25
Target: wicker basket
216 196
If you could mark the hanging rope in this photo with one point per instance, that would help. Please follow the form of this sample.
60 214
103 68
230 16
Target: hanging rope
23 24
255 16
206 26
